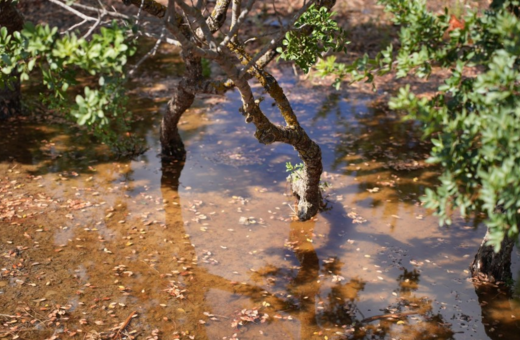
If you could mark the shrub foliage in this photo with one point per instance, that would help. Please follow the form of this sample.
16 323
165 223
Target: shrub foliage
472 121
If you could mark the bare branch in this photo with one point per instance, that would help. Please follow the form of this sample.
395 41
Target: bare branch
150 6
76 25
218 15
239 21
113 14
270 84
158 37
149 54
194 13
139 12
208 87
173 21
235 12
199 4
93 27
274 43
72 10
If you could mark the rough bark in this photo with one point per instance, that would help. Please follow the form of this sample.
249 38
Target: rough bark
150 6
10 99
489 266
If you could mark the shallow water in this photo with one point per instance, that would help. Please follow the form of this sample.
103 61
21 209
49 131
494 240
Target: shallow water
209 249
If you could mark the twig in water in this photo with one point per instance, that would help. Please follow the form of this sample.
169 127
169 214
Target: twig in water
123 326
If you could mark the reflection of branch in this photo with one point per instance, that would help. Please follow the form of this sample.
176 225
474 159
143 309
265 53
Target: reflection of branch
149 54
388 316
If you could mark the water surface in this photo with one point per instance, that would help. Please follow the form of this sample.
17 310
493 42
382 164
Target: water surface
210 249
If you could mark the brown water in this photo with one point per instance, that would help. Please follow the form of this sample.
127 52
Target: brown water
210 250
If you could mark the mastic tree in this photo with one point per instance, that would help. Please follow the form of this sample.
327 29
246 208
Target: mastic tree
473 120
204 31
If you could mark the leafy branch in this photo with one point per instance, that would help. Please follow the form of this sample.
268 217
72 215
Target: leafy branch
61 60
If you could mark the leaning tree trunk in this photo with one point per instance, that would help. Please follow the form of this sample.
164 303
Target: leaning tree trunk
489 266
306 184
10 103
171 142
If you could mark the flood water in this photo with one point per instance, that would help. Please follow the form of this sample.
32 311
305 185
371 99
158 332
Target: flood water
209 249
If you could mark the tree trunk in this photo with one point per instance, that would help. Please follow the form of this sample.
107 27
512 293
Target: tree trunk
307 186
10 99
489 266
171 141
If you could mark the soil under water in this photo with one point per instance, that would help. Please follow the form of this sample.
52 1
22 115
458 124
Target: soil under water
210 249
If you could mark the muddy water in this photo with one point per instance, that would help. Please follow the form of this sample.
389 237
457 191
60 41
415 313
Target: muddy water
209 249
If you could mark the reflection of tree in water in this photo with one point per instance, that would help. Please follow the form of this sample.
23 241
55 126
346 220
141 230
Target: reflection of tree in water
311 291
325 308
307 285
408 281
411 317
197 280
380 134
500 310
329 105
372 133
381 150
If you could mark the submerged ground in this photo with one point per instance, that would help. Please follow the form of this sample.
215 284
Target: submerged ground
92 247
97 248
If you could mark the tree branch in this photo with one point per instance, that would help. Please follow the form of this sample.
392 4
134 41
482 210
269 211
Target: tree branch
150 6
200 21
208 87
173 24
113 14
235 12
72 10
239 21
276 42
218 15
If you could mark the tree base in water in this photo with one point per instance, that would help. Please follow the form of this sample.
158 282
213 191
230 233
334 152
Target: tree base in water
492 267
